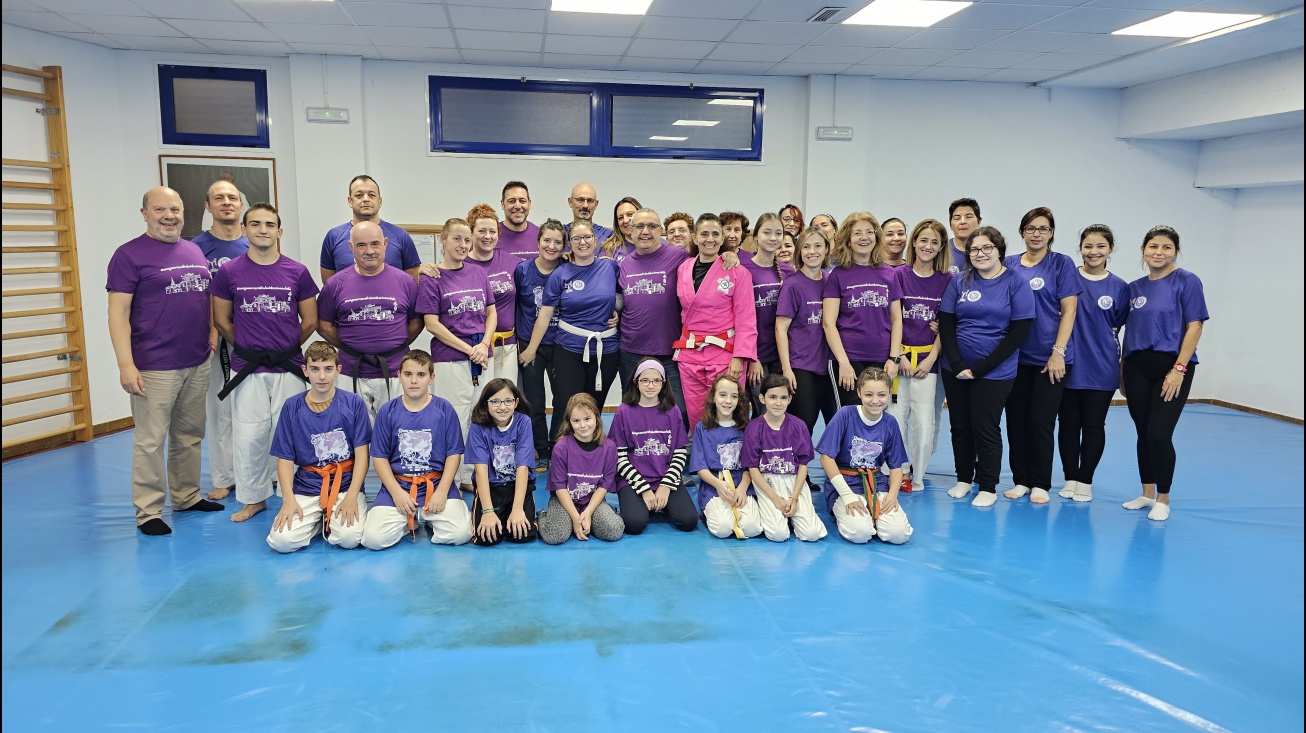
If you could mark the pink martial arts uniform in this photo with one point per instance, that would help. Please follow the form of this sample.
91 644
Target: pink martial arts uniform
720 323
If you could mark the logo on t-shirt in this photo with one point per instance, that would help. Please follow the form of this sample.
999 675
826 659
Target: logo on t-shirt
768 295
778 462
728 454
370 312
920 312
500 286
653 446
724 285
1105 302
971 295
189 283
649 283
575 285
415 448
503 459
1036 283
330 447
467 304
1138 302
953 270
265 304
864 453
868 299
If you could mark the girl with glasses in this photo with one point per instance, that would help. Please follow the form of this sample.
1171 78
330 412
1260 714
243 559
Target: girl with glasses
501 452
652 449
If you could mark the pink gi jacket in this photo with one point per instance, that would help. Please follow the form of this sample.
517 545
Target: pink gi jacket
724 302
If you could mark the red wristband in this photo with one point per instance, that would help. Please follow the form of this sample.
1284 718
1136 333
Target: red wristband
1181 368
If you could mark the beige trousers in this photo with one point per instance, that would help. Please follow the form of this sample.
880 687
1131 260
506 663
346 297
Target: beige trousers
172 412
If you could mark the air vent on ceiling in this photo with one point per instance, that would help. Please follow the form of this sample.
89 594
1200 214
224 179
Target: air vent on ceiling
825 14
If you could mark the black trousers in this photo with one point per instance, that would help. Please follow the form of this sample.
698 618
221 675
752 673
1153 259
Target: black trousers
680 510
975 415
501 496
814 397
573 375
532 386
1031 419
849 396
1154 418
1082 435
754 393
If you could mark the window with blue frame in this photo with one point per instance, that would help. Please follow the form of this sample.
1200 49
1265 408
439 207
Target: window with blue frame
473 115
213 105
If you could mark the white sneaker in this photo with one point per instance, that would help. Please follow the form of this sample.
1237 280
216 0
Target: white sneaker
959 491
1038 496
1068 491
1083 491
1141 502
984 498
1160 512
1016 491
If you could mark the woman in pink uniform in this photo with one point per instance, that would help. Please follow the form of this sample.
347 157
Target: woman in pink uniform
719 332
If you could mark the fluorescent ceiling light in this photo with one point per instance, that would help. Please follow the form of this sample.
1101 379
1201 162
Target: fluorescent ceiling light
733 102
697 123
906 13
664 137
610 7
1184 25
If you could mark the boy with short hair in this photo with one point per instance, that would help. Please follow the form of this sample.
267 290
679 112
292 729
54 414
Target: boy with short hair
319 440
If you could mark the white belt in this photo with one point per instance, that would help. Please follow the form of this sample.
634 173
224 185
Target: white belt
698 343
595 336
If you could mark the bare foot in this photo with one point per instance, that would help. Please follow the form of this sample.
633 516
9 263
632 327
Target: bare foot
248 511
219 494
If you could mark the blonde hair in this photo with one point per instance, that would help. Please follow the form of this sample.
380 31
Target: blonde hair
841 254
812 230
942 259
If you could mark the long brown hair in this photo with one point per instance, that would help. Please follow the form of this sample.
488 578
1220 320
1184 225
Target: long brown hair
740 415
841 255
582 401
481 412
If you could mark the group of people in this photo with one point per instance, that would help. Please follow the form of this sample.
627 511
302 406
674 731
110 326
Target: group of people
729 341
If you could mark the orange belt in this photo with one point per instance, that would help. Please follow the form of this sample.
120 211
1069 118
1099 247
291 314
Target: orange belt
415 480
331 474
868 485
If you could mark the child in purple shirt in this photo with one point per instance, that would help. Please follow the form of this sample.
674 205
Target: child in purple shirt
501 452
652 449
776 451
582 473
726 498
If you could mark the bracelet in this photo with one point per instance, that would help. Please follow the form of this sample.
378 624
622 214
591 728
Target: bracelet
1059 349
1181 368
486 511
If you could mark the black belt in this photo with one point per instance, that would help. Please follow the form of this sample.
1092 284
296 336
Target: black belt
224 359
255 359
380 361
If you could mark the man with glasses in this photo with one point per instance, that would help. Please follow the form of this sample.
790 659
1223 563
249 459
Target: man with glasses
583 202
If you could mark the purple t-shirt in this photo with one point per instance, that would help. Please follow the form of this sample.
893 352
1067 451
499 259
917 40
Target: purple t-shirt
1103 307
801 301
524 245
317 438
958 258
651 437
766 296
865 295
1053 278
854 444
920 304
580 472
777 451
459 298
169 317
621 252
498 269
985 310
264 304
220 251
503 451
416 442
716 450
585 298
1160 311
529 282
371 314
650 320
400 252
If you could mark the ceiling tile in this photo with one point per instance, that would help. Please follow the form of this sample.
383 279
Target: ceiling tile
497 19
650 48
733 9
1116 45
636 63
864 36
193 9
830 55
249 48
599 46
95 38
798 11
1095 20
501 58
92 7
800 69
883 72
589 24
1016 76
755 31
421 53
1243 6
491 41
579 61
159 43
745 68
42 21
319 34
949 73
382 36
1062 61
1140 4
223 30
911 56
21 5
124 25
366 50
677 29
991 59
999 17
957 38
751 52
1041 41
519 4
295 11
1062 3
411 15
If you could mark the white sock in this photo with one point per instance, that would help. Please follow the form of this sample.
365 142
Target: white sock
1083 491
1016 492
1038 496
984 498
1141 502
959 491
1160 512
1068 490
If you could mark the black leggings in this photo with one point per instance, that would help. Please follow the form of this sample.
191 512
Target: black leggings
1031 419
812 398
1082 435
532 386
755 394
573 375
849 396
680 510
501 495
1154 418
975 414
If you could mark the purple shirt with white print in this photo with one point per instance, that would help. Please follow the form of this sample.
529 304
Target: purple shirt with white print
865 296
651 436
580 472
777 451
169 317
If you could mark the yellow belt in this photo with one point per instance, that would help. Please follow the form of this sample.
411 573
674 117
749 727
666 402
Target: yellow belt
912 352
729 479
499 339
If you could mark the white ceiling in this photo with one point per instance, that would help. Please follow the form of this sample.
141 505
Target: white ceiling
1067 41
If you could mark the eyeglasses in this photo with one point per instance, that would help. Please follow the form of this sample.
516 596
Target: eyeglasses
982 249
788 219
1037 230
650 382
503 403
585 202
646 225
582 238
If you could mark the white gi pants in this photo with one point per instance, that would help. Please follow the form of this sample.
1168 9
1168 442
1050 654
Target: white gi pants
386 526
891 527
374 391
807 526
917 411
255 410
503 363
720 517
453 382
217 427
301 531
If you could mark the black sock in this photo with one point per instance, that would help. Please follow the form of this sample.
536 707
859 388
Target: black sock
203 505
154 527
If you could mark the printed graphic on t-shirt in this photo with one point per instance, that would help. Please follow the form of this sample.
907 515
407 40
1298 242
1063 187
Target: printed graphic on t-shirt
215 264
501 285
190 282
415 447
467 303
538 294
503 459
728 454
649 283
768 294
1106 302
266 303
1036 284
655 444
971 295
919 311
371 311
777 462
1138 302
574 285
869 298
724 285
330 447
863 453
586 484
814 317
